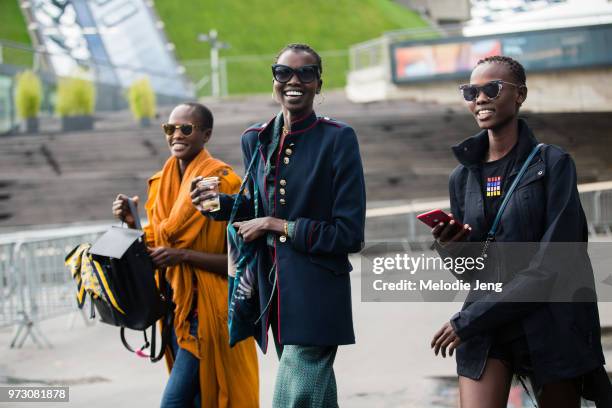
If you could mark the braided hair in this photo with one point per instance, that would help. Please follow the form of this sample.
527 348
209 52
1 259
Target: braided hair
304 48
513 65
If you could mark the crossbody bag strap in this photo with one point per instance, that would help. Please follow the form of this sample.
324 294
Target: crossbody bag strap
504 204
247 176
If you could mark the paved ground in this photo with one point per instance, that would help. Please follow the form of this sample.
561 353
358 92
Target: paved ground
390 366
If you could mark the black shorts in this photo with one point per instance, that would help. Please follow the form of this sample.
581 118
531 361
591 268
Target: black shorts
514 354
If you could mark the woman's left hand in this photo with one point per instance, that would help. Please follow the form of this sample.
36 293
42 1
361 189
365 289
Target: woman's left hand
252 229
445 337
164 256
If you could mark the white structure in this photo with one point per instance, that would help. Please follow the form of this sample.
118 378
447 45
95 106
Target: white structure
575 86
116 40
570 13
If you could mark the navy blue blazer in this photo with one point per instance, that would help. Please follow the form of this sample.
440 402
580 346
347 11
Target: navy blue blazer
323 190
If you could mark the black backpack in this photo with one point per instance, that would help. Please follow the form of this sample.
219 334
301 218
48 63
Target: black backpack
122 257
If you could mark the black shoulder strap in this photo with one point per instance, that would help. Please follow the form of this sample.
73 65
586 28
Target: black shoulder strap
167 321
506 200
165 338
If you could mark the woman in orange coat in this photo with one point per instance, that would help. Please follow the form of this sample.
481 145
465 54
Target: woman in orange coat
192 249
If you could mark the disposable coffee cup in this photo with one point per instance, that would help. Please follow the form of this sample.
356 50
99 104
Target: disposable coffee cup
210 184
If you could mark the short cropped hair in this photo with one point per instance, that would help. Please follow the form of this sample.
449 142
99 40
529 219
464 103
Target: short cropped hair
202 113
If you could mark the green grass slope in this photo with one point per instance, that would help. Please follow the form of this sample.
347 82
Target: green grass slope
13 28
262 27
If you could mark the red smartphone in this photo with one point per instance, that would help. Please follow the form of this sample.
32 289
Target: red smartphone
434 217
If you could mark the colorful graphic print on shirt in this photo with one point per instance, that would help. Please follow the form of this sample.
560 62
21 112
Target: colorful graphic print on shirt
494 186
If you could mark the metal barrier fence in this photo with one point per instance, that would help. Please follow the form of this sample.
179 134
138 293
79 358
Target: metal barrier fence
8 285
399 223
375 52
34 283
597 204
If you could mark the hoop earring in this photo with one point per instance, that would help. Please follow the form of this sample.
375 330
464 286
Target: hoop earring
321 99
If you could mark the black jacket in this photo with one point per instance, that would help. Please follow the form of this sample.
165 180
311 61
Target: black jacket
563 338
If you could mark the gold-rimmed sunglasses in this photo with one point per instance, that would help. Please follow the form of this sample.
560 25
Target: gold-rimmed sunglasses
185 128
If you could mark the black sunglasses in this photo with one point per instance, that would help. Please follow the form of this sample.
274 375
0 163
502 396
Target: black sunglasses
491 89
306 73
186 128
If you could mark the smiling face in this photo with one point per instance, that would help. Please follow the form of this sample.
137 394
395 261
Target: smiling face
495 113
186 147
295 96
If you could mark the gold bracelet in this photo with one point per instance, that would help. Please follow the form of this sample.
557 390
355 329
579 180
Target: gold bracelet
286 228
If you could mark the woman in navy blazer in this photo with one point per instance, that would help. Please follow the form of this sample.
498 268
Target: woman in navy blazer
311 189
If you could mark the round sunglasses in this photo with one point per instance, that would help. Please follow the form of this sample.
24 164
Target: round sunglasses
185 128
491 89
306 73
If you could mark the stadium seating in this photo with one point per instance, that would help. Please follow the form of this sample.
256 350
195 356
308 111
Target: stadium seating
56 178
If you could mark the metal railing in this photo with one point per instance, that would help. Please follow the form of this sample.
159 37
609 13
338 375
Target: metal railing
375 52
400 223
34 283
597 204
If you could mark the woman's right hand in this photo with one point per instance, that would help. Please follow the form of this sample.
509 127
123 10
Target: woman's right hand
121 210
451 231
445 338
201 194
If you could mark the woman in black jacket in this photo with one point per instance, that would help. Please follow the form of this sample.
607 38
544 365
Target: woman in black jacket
308 185
556 345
